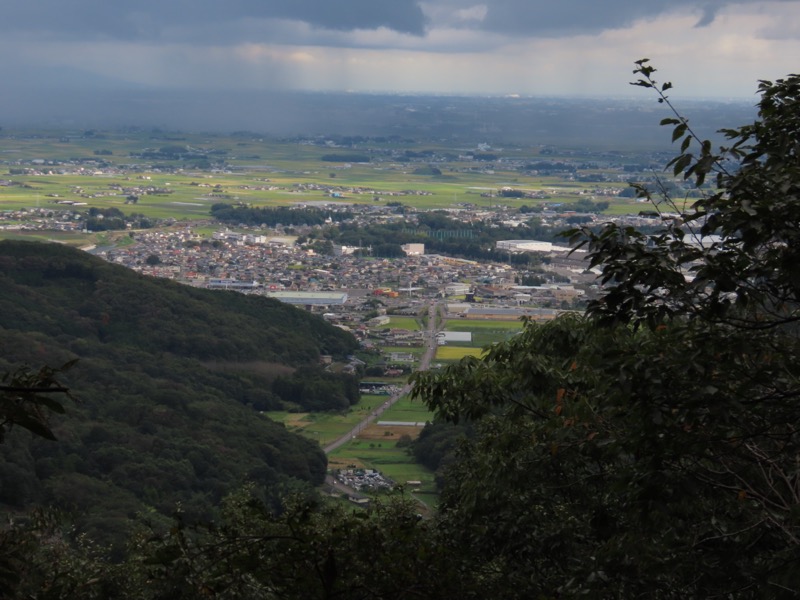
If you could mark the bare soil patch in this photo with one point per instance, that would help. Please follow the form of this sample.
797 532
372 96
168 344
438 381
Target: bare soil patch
389 432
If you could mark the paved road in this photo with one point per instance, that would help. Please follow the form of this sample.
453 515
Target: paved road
424 364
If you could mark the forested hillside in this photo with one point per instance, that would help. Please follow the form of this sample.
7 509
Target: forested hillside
169 383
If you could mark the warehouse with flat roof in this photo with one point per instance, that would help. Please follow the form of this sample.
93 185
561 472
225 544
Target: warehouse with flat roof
310 298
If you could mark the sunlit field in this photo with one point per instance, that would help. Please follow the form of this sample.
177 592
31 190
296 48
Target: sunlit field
404 323
407 410
456 352
484 332
256 171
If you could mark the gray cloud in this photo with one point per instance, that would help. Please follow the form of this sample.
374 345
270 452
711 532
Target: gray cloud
451 46
242 21
150 20
401 15
708 16
566 17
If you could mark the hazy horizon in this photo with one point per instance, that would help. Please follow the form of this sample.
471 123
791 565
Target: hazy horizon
576 48
525 120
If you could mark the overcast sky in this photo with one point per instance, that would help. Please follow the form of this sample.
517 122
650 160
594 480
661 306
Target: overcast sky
707 48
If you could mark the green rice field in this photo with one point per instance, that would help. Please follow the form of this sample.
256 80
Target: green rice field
409 323
407 410
327 427
395 463
262 172
483 332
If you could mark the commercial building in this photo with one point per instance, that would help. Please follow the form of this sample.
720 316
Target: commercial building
413 249
310 298
525 246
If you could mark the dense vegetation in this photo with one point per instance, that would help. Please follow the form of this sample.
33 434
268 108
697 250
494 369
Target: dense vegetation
345 158
649 449
317 390
440 234
280 215
113 219
168 380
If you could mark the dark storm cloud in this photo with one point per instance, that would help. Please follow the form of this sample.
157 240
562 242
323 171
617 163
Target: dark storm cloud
565 17
709 14
256 21
522 17
155 20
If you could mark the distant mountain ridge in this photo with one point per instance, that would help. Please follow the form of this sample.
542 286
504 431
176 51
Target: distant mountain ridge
157 422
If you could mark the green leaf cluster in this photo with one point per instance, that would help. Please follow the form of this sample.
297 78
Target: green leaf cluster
28 397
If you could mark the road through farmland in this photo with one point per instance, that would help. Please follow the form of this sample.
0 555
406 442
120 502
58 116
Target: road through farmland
434 325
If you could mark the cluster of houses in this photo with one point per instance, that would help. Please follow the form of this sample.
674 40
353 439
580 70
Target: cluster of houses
41 219
364 479
342 289
268 264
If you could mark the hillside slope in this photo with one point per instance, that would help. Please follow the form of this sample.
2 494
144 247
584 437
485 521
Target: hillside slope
157 421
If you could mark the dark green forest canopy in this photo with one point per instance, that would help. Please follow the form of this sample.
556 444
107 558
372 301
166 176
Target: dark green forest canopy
272 216
169 381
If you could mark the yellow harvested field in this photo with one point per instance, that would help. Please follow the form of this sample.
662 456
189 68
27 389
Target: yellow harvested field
456 352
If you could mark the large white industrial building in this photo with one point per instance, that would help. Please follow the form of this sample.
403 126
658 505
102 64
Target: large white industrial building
528 246
310 298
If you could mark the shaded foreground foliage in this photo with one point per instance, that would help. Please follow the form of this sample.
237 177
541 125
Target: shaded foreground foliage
27 399
649 448
304 550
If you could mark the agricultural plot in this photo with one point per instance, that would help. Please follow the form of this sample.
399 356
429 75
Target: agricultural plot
408 323
256 171
454 325
407 410
417 351
484 332
327 427
72 239
381 453
376 445
455 353
320 427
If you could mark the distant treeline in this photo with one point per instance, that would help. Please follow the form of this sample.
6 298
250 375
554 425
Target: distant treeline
280 215
584 205
345 158
437 444
475 241
113 219
316 390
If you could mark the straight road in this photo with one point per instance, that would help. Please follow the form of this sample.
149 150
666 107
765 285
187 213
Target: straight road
424 364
